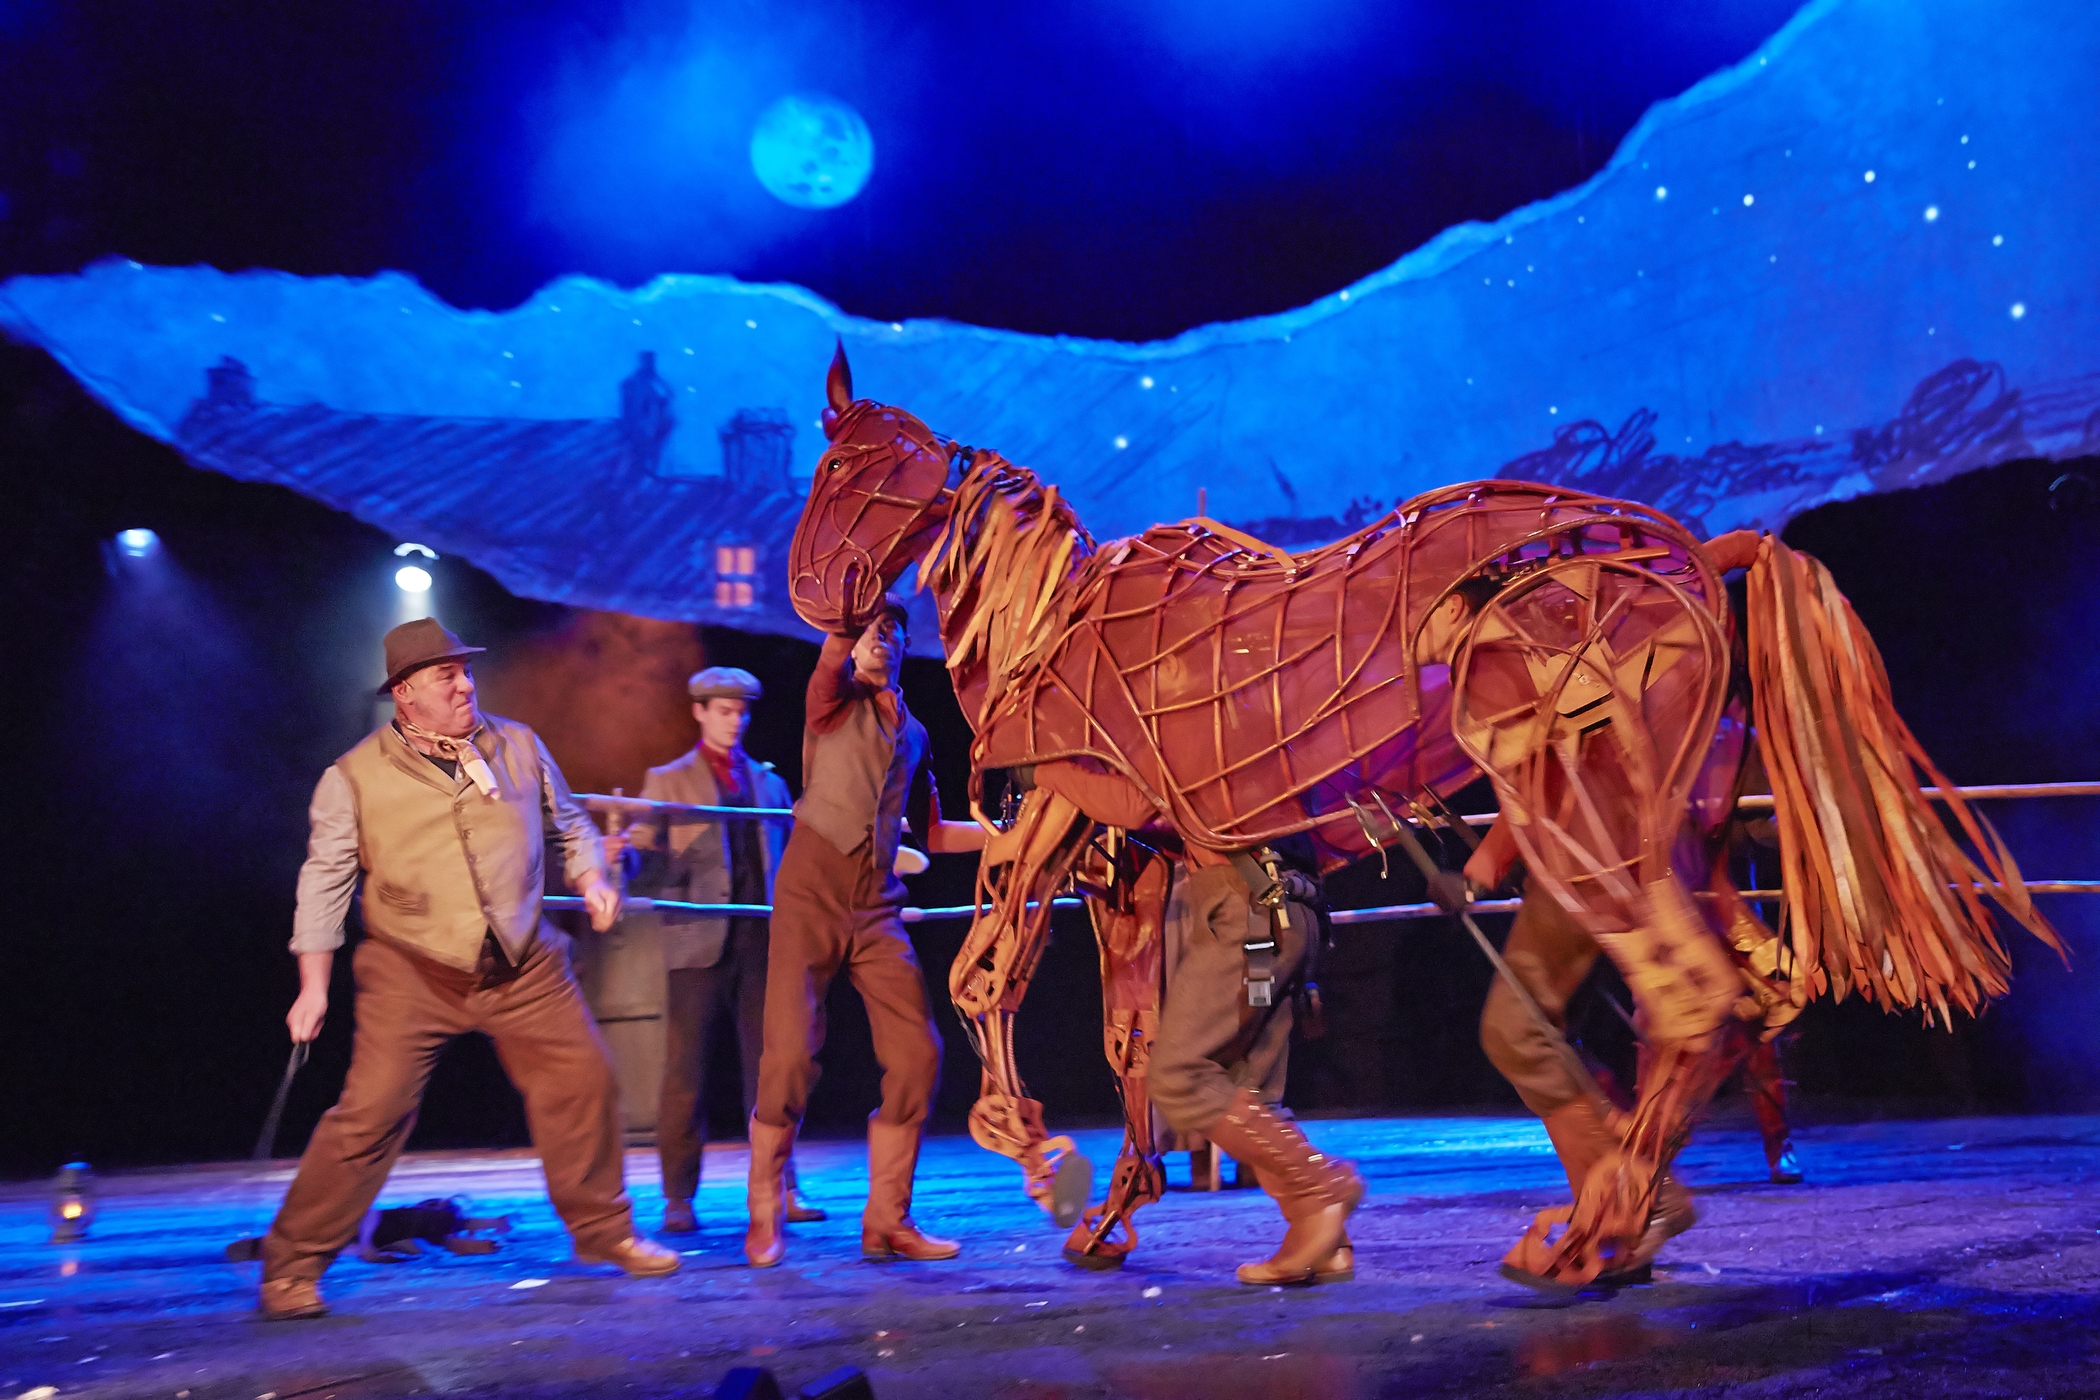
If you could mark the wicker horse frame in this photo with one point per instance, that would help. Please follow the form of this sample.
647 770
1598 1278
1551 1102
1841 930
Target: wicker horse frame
1227 693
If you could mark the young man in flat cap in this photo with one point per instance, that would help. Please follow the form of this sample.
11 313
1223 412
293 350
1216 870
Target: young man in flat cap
713 965
445 812
837 907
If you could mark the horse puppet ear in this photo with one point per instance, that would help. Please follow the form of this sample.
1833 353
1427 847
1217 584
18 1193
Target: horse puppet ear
838 388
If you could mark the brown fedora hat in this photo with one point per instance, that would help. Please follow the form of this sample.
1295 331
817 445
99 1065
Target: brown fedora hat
420 643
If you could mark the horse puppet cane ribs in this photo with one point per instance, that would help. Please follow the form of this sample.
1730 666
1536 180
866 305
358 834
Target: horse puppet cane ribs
1195 681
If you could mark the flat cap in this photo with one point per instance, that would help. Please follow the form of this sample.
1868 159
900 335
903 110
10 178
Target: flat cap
724 683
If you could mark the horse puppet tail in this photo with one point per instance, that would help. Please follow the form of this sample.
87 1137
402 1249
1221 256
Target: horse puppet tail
1879 896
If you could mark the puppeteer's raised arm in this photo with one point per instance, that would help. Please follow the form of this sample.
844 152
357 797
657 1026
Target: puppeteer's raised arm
944 837
831 686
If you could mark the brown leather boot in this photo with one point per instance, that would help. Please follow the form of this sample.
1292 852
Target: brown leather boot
1338 1267
642 1258
799 1211
765 1239
1672 1214
1315 1192
886 1229
286 1299
1581 1138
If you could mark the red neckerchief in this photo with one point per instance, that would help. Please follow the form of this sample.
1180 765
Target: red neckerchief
728 771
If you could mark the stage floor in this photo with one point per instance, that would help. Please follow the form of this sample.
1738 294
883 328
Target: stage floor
1950 1257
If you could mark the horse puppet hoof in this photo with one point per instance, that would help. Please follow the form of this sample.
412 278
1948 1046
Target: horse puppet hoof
1550 1286
1099 1248
1099 1263
1606 1283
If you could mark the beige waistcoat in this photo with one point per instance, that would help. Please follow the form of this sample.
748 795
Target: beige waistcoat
444 864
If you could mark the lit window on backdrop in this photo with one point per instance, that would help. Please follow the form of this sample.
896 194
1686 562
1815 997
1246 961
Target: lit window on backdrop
736 576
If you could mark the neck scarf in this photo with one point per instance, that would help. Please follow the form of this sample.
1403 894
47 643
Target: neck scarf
460 751
728 781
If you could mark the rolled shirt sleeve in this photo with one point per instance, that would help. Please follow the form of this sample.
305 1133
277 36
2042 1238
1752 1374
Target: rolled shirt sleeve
329 876
583 850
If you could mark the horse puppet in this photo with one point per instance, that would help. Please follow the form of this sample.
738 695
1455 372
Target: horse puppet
1224 693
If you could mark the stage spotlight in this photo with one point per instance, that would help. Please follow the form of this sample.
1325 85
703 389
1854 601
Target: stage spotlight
138 543
2073 491
72 1203
410 579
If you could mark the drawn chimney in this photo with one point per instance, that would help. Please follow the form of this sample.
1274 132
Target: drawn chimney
758 447
229 387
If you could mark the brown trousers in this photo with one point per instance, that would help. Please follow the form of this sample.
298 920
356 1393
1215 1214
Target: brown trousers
1767 1085
695 998
1552 956
834 912
1202 1055
408 1008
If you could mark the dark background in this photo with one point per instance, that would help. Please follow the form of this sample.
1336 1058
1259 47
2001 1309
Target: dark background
1075 167
1081 167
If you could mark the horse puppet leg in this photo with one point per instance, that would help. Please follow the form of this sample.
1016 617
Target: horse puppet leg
1128 898
1018 877
1592 696
1707 987
1686 987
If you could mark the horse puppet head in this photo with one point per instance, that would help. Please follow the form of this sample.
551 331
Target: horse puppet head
879 495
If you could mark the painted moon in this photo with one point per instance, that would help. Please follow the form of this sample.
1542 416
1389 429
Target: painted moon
811 151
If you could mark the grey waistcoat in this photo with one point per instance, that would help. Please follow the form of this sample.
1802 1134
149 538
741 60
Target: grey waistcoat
858 777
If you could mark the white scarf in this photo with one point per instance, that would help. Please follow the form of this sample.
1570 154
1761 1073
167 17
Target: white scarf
460 751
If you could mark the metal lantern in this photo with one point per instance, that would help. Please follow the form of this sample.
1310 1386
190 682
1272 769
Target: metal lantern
72 1202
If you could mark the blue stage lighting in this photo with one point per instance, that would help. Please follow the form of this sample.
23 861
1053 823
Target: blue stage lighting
137 543
811 151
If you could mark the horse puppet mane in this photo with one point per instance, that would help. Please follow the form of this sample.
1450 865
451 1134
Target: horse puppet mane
1000 569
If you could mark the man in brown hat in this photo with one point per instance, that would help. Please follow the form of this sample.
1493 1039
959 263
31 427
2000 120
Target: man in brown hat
444 811
712 964
837 907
